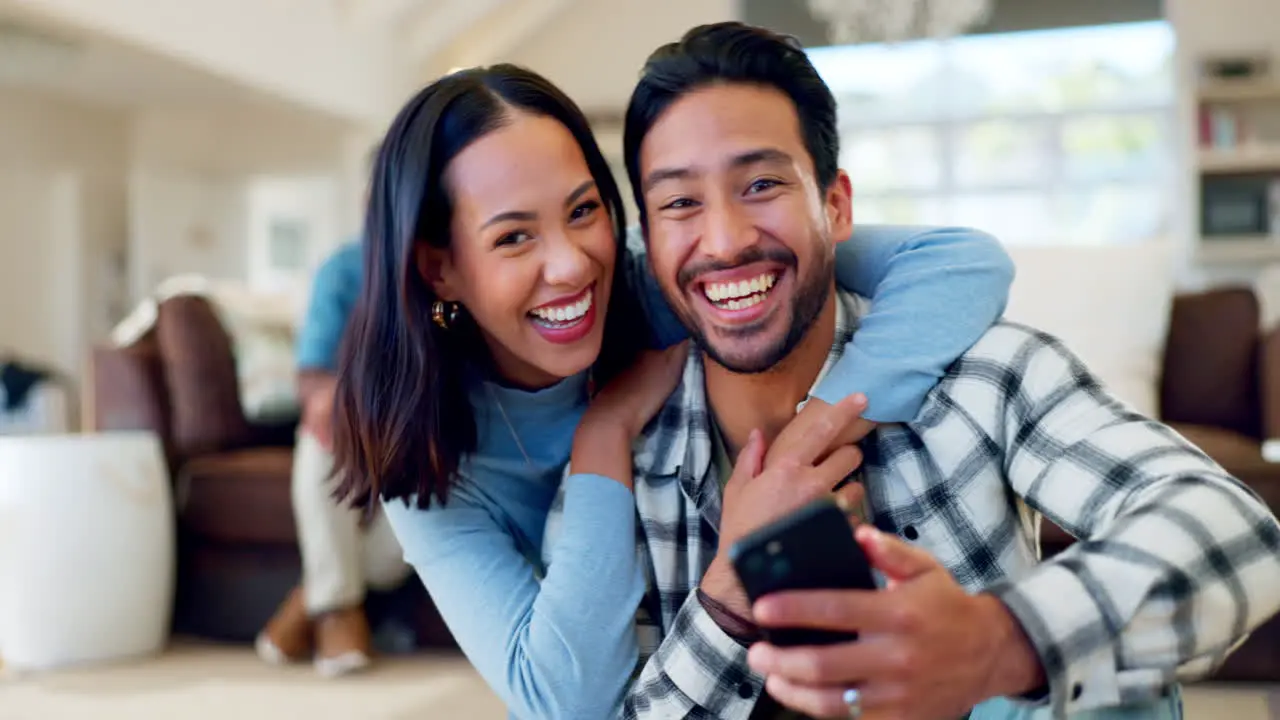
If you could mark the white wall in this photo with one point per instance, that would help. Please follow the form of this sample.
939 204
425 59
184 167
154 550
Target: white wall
74 135
305 202
97 206
1226 26
304 51
62 209
40 318
192 173
185 222
595 48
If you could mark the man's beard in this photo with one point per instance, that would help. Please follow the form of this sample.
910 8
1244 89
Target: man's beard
811 295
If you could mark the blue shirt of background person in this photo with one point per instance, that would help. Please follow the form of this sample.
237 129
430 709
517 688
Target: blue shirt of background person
334 292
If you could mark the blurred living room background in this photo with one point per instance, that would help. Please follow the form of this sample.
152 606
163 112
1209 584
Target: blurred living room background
173 171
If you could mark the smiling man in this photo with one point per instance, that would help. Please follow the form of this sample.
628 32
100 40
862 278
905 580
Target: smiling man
732 147
729 292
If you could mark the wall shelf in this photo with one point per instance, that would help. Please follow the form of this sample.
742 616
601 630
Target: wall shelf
1243 159
1226 91
1239 250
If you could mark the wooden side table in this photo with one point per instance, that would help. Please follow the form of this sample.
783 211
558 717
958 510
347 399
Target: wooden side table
87 557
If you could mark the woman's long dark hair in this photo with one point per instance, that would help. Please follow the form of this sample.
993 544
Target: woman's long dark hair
403 420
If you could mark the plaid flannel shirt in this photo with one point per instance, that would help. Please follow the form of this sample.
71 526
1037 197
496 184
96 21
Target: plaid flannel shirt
1179 561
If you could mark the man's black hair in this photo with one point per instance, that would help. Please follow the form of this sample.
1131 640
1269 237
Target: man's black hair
733 52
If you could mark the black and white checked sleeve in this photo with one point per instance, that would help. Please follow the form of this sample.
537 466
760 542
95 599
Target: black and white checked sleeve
697 672
1177 561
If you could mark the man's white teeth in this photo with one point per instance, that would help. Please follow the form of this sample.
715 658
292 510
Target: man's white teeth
743 293
745 302
565 313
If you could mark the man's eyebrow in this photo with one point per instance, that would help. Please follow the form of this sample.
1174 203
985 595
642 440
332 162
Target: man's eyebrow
663 175
762 155
750 157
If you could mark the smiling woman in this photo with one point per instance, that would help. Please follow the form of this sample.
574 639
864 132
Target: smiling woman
519 223
532 249
493 256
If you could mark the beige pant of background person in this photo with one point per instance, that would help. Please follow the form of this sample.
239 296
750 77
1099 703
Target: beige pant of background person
341 558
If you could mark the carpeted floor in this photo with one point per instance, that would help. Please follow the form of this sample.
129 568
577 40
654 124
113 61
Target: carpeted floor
196 682
201 682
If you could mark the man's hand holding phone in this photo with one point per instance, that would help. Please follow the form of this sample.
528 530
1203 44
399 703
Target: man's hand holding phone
813 548
757 493
926 648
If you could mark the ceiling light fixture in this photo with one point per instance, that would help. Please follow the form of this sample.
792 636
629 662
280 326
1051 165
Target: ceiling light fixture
875 21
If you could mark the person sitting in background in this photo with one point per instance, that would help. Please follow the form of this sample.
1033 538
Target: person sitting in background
323 618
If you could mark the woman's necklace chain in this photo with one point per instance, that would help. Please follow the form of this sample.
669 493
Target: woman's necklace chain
514 435
502 410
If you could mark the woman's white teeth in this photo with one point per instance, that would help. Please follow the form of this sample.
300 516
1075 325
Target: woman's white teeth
741 294
565 313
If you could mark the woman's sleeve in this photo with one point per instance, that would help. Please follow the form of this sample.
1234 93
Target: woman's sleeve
546 648
934 292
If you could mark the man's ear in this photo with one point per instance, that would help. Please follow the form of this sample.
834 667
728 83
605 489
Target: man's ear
840 207
436 268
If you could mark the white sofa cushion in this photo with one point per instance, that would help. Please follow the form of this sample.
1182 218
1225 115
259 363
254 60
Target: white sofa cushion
1109 303
262 327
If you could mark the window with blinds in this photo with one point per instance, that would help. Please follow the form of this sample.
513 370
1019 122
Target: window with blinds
1047 136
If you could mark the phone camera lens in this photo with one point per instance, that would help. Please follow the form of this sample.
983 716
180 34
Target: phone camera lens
780 568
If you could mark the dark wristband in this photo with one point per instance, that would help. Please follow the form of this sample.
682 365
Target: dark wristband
742 630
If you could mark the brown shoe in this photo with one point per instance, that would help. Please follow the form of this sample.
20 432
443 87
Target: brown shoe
343 644
287 636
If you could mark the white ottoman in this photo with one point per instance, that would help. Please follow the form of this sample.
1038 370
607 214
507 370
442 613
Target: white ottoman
86 549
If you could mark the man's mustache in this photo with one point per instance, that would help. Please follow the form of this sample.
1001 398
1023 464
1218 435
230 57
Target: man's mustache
753 254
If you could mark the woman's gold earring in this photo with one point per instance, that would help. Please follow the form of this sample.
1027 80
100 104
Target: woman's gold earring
444 315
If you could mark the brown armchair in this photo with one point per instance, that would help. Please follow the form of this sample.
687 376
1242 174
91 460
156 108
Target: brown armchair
237 544
1220 388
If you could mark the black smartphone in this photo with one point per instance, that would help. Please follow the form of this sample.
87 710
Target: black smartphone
813 548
